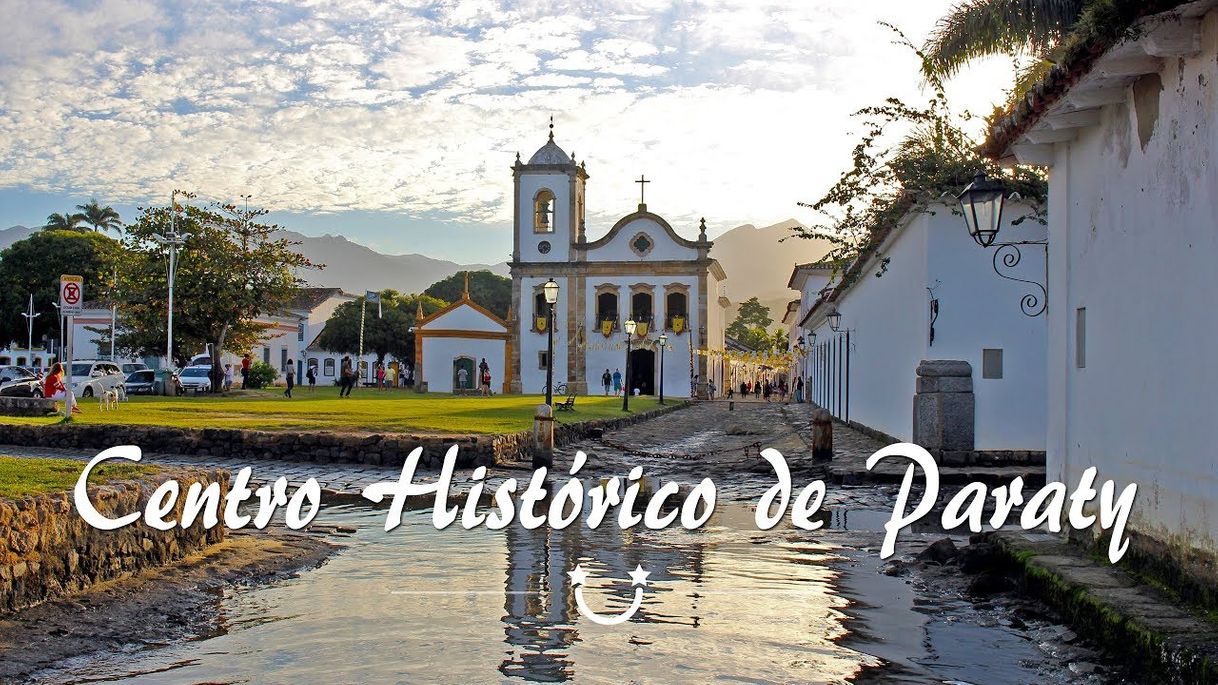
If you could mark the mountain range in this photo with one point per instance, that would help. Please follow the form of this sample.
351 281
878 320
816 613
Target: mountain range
757 261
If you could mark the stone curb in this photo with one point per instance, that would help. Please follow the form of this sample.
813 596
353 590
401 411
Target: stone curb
1135 622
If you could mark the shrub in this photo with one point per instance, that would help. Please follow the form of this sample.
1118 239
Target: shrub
262 375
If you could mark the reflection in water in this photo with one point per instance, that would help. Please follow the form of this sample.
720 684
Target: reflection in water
724 603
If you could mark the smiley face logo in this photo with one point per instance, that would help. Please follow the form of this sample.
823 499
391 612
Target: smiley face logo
638 579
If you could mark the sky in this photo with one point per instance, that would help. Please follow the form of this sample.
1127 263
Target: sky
396 123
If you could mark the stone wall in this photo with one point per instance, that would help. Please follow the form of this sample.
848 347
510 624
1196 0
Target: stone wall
387 449
26 406
47 550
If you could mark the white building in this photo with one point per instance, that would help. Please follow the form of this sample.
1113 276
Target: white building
1131 141
810 281
451 345
641 269
929 292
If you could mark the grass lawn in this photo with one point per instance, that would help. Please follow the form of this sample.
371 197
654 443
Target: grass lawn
367 409
20 477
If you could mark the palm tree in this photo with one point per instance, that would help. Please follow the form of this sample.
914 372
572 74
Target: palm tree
101 218
980 28
64 222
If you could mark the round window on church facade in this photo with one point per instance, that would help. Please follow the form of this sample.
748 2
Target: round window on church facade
641 244
544 247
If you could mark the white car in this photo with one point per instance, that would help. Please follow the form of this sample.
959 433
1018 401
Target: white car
196 378
91 378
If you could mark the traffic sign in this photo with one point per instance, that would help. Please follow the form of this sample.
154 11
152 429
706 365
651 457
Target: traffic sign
71 294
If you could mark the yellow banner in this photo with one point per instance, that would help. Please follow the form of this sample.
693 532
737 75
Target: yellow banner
678 324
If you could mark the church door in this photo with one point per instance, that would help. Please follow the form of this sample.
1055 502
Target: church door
643 371
463 381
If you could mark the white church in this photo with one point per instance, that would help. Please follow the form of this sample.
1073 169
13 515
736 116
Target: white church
640 270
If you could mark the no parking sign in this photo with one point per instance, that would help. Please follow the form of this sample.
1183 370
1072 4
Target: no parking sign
71 295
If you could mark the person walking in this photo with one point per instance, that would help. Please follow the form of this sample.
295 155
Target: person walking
462 378
710 389
228 377
799 389
391 376
380 375
617 382
607 381
744 390
486 379
245 371
291 378
311 377
346 378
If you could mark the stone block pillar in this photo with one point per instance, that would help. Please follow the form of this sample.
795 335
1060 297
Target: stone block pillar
944 407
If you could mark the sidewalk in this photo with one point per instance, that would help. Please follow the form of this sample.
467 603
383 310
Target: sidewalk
1104 602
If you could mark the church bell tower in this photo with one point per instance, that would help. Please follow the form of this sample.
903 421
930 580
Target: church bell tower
549 216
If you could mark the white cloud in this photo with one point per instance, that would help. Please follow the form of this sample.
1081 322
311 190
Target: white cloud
737 109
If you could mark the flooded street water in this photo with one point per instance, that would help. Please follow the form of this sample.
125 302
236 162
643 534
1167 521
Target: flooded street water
724 603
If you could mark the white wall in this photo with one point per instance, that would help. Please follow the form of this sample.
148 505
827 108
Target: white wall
439 354
1134 239
619 249
889 320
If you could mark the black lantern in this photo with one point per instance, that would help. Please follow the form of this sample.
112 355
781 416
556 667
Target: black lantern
835 320
812 340
981 201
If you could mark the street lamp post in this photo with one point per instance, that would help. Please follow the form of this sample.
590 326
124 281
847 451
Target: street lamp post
172 241
630 328
29 325
663 340
551 294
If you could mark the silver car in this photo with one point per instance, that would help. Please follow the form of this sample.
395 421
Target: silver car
196 378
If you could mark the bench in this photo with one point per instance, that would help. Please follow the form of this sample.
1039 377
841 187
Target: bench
568 404
26 406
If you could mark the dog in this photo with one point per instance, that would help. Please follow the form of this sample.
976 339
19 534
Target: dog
108 399
122 393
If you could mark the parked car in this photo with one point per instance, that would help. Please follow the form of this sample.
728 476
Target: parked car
17 381
131 367
90 378
196 378
143 382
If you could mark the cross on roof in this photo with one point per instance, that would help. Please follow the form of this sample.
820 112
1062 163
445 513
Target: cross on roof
642 188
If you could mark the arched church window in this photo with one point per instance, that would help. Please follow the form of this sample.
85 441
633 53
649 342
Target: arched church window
543 211
541 311
676 311
606 311
641 306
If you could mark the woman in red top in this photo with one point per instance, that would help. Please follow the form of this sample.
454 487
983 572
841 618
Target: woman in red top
53 387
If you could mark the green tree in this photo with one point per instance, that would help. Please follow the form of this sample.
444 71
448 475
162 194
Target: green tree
390 333
751 326
35 264
485 288
1019 28
64 222
230 270
101 218
934 159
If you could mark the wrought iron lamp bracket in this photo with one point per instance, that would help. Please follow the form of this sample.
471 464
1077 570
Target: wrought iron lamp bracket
1007 257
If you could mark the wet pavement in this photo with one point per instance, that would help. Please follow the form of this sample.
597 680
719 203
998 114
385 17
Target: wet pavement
728 603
